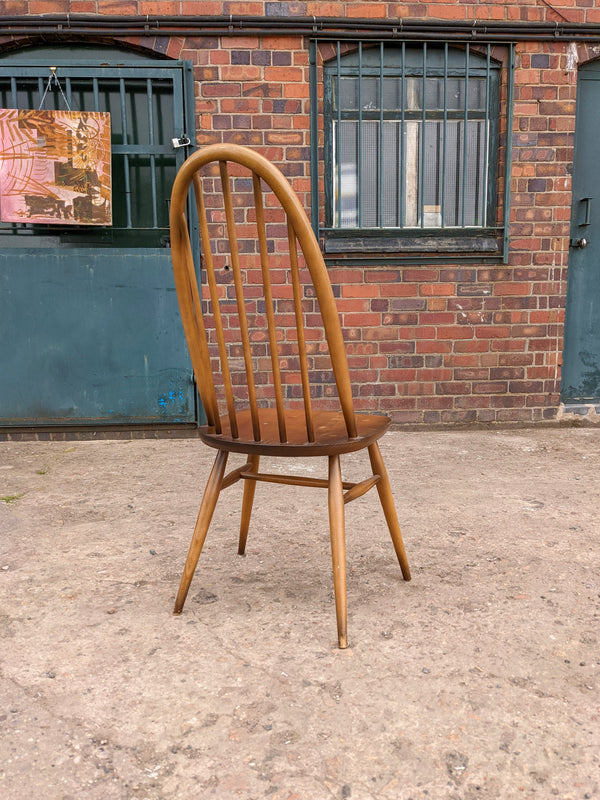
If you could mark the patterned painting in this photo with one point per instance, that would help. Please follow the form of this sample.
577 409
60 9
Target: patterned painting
55 167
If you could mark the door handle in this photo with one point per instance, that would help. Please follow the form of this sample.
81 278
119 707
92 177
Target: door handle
588 210
583 242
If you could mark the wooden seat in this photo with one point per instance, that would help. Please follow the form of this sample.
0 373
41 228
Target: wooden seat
330 434
257 349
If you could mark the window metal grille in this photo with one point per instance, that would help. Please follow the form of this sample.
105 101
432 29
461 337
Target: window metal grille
146 107
412 136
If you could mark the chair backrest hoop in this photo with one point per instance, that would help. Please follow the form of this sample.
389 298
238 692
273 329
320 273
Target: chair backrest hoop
298 227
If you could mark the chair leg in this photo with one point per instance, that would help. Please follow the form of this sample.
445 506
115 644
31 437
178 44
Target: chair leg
248 499
389 509
207 507
338 547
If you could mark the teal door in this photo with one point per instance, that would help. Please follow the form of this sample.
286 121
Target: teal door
581 358
89 325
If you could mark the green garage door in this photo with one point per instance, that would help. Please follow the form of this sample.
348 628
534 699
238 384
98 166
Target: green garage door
89 325
581 361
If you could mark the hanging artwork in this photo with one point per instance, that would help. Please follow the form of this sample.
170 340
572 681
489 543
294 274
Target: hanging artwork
55 167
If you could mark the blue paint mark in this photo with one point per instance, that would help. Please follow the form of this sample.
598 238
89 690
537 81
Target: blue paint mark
174 397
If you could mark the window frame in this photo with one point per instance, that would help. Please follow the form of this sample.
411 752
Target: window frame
417 243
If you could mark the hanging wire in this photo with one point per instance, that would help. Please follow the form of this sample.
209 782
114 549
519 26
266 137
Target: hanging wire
53 81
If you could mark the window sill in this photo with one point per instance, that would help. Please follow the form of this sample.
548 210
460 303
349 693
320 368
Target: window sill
414 243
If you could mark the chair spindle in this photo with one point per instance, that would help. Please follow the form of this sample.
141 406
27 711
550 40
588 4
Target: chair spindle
310 431
239 295
216 308
192 317
272 329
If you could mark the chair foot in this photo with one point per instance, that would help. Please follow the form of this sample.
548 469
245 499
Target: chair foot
247 501
338 547
389 509
207 507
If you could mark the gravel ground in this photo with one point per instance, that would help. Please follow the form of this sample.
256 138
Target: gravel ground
478 679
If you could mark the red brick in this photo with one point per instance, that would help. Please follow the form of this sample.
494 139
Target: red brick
364 320
397 375
466 374
490 387
437 318
116 7
356 305
438 289
156 7
472 401
381 276
363 11
471 346
509 401
416 389
434 346
371 334
450 12
461 360
437 304
360 291
453 387
492 332
399 318
443 401
401 290
506 373
283 74
507 345
455 332
525 387
459 416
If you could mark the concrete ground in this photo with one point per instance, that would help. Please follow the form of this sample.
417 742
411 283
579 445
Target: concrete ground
479 679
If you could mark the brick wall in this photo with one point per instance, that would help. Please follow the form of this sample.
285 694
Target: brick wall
528 10
427 344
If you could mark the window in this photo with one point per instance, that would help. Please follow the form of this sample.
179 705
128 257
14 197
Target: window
411 149
145 98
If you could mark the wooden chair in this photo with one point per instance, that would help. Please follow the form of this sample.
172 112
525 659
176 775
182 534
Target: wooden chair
255 426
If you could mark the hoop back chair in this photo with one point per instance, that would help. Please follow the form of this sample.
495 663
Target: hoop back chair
240 418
